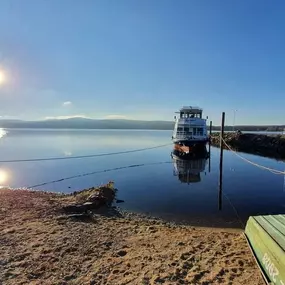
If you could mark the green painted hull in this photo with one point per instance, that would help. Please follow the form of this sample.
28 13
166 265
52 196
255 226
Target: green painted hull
266 235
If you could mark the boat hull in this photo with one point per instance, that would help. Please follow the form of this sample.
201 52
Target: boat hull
186 148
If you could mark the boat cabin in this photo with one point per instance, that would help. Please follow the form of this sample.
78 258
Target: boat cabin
190 112
190 126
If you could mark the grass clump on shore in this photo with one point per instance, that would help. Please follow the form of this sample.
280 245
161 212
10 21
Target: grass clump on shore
107 190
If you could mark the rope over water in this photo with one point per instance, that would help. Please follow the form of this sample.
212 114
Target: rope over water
96 172
274 171
81 156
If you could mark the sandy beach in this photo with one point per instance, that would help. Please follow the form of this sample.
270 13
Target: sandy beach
39 244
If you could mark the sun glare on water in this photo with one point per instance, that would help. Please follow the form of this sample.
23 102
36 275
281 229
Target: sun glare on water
3 176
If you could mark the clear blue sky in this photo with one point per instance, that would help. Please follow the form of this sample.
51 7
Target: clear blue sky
143 59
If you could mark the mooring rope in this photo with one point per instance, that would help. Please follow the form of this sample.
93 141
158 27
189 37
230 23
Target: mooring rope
274 171
234 209
82 156
97 172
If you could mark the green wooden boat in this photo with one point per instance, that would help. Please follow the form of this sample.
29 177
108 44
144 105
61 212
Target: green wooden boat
266 236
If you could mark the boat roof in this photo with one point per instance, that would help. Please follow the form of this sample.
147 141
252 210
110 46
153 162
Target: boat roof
190 109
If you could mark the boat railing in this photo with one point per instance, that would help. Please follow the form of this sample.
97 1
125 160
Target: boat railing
182 135
185 135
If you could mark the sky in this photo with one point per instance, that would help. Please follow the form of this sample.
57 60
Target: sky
143 59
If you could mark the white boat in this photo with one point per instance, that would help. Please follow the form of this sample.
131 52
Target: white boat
190 131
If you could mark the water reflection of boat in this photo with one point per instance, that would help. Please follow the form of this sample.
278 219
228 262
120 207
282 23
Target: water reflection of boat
188 171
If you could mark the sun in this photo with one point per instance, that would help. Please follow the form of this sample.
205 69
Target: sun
2 77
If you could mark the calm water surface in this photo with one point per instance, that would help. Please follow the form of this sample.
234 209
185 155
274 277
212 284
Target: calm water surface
163 187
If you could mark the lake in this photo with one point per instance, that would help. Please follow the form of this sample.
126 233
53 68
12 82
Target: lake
149 181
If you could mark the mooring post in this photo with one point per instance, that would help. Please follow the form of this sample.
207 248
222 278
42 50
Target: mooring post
210 137
210 142
209 170
221 160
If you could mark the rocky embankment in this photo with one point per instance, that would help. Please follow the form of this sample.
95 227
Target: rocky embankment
265 145
79 239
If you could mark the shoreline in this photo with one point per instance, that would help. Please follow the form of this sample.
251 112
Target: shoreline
42 244
271 146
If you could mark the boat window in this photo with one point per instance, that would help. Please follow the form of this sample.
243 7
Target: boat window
186 130
199 131
179 129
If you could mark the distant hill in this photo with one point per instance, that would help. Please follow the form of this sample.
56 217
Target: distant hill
83 123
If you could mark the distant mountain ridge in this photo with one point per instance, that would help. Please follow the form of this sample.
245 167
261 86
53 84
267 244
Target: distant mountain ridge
85 123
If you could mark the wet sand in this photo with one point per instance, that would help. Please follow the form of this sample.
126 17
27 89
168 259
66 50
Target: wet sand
41 245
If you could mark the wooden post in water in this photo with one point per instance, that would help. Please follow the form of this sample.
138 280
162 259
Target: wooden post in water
221 160
209 170
209 153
